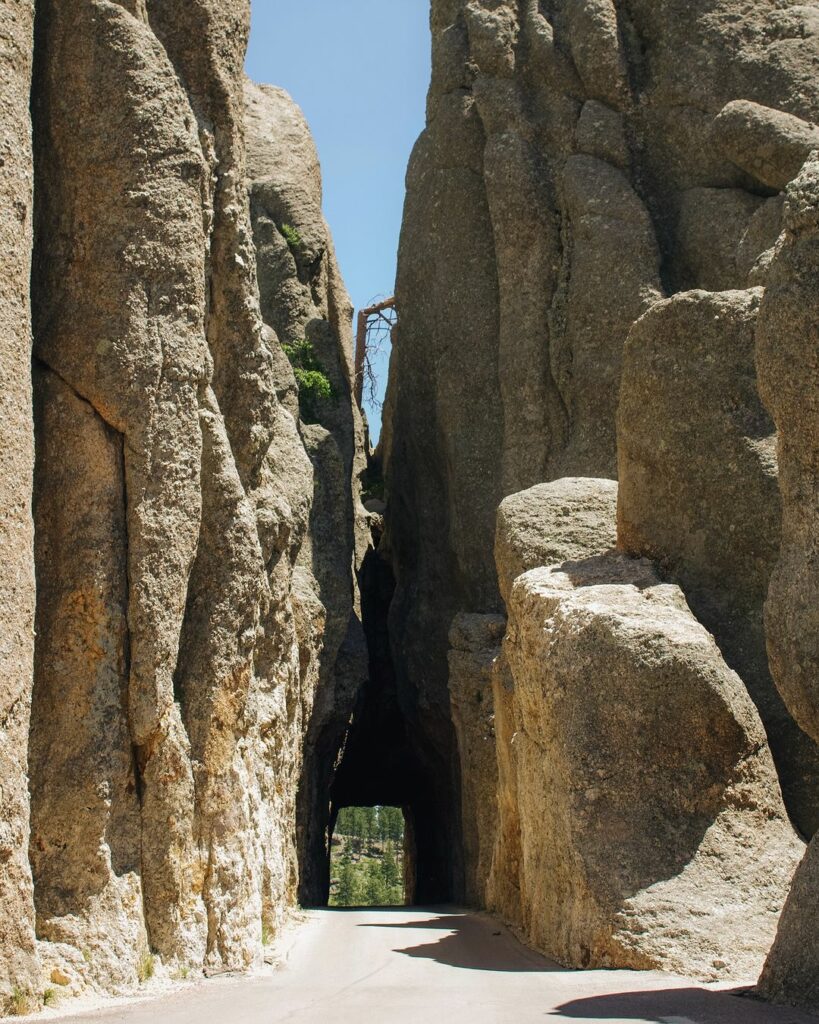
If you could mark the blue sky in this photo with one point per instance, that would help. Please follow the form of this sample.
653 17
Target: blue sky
360 70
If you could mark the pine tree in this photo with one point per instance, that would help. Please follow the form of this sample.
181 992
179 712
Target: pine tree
375 892
389 867
345 896
368 824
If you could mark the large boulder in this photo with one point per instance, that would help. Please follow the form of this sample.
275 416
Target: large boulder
788 361
546 525
549 523
653 833
770 145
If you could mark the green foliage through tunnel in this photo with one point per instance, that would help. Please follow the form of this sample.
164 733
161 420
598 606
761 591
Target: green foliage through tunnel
367 858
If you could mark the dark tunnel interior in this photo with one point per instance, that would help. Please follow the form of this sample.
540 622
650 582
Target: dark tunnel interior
392 753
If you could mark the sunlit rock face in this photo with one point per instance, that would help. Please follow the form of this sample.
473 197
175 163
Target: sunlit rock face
654 833
186 521
18 961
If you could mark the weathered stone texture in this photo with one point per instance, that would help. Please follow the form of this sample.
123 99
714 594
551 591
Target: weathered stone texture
582 159
550 523
788 362
174 674
303 298
567 521
212 610
653 832
18 961
85 835
474 646
699 493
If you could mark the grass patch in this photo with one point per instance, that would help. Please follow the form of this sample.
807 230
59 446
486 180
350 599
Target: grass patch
146 967
51 997
22 1002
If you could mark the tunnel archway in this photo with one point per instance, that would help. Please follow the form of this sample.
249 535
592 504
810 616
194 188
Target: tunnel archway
391 752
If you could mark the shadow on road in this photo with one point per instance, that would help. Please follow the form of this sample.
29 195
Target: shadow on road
471 944
680 1006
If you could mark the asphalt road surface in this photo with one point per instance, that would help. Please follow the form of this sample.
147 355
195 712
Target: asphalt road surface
437 966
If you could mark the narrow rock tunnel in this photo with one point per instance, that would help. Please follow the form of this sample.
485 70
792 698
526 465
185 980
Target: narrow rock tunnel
391 752
217 640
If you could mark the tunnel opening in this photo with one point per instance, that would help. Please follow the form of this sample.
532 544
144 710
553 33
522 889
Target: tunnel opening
390 752
368 862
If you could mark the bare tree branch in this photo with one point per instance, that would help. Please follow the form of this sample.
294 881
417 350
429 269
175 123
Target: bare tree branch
375 326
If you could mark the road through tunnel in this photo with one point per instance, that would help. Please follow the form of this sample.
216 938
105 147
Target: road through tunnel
391 752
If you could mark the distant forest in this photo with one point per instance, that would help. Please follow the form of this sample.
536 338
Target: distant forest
367 858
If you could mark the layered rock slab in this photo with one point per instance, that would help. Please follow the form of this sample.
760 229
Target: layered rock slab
788 362
652 829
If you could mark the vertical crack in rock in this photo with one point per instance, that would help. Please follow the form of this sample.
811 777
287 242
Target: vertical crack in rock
85 803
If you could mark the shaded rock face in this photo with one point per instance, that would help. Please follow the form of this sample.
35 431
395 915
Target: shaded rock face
665 842
194 542
788 361
303 298
18 962
474 647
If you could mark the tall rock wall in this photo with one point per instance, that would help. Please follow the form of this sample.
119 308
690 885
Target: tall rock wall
304 299
195 542
593 213
18 963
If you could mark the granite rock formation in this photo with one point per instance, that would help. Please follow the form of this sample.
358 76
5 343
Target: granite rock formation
550 524
699 493
596 201
18 963
608 267
303 298
652 828
186 521
788 361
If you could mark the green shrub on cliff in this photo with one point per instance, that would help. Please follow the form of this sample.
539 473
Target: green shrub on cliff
314 384
291 236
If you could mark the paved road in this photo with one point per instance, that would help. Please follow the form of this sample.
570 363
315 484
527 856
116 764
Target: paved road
434 967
